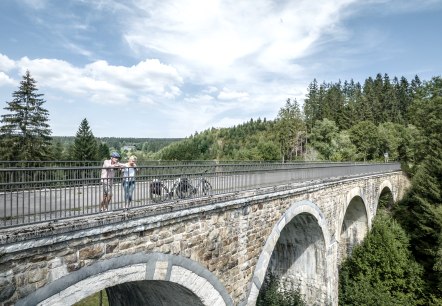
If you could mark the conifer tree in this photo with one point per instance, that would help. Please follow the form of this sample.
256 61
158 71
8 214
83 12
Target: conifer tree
291 130
24 131
381 270
312 105
421 210
85 144
103 151
368 102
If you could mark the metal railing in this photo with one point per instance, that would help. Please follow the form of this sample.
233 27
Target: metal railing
39 194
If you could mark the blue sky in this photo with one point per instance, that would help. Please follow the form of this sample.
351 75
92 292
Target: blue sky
148 68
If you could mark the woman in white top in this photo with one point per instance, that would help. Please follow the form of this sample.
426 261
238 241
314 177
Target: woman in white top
129 172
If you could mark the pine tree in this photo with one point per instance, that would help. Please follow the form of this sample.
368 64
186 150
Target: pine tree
103 151
25 132
85 144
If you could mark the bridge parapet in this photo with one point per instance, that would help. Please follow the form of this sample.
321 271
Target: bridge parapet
44 194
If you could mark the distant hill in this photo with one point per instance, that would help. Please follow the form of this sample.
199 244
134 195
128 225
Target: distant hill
148 144
253 140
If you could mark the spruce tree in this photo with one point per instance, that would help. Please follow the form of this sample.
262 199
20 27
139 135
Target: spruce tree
311 105
421 210
103 151
85 144
24 131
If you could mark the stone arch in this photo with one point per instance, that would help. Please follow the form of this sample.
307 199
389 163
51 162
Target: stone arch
307 212
355 222
190 280
385 187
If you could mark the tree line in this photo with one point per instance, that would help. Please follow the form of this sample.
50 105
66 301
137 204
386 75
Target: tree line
339 122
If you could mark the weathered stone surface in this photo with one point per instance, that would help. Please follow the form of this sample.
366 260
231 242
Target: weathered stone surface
37 275
91 252
7 285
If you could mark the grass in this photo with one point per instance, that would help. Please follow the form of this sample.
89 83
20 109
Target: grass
94 300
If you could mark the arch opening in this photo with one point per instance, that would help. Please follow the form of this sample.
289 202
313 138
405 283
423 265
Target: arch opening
136 279
386 199
298 259
354 227
151 292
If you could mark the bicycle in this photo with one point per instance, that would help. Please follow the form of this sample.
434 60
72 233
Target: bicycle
203 186
183 189
158 192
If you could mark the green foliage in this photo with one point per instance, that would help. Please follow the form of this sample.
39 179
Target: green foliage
25 132
270 295
364 135
85 145
290 130
409 146
94 300
345 149
379 100
381 270
324 138
253 140
144 148
391 138
420 211
103 151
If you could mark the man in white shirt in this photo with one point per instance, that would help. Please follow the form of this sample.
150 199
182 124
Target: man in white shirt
107 177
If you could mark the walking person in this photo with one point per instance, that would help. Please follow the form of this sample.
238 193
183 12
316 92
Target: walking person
107 177
129 171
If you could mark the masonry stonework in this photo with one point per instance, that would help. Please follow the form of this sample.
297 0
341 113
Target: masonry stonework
217 254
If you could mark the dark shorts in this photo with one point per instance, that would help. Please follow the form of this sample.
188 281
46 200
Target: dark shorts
107 188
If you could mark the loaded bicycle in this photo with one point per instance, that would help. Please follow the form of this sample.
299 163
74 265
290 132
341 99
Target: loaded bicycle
181 189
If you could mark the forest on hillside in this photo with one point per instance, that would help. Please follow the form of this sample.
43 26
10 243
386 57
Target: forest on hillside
339 121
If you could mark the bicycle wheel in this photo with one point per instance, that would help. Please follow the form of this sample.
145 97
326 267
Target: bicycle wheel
158 192
207 188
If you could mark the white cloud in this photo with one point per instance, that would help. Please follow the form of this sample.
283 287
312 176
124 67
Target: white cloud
102 83
217 36
5 79
6 64
227 94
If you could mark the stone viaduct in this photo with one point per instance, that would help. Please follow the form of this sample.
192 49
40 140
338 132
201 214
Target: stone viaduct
195 253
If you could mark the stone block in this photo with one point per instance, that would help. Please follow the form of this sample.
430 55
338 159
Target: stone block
91 252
